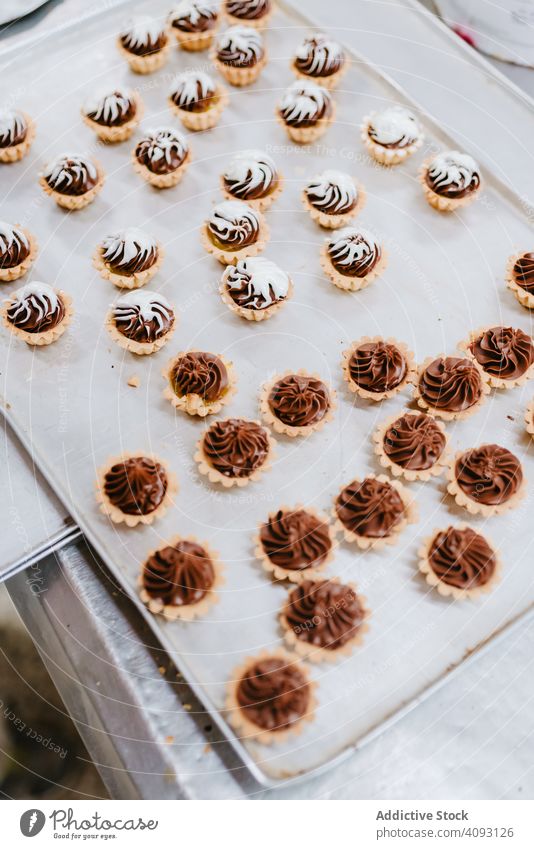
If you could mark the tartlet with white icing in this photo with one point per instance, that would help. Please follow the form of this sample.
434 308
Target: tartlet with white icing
73 180
145 43
252 13
198 100
129 258
391 135
321 60
352 257
162 157
194 23
141 321
234 230
37 313
333 198
305 111
252 176
450 180
17 132
113 115
255 288
240 55
18 249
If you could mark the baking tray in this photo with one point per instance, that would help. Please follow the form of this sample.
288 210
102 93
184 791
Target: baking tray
445 277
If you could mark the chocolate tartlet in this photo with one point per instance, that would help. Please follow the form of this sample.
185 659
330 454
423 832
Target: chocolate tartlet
520 278
233 452
240 55
352 258
252 176
144 42
377 368
297 403
451 387
17 251
320 59
333 199
162 157
295 543
412 446
234 230
253 13
306 111
135 489
37 313
255 288
269 697
17 132
459 562
129 258
505 354
392 135
113 115
450 180
197 100
73 180
199 383
487 479
141 321
324 619
179 580
194 23
373 511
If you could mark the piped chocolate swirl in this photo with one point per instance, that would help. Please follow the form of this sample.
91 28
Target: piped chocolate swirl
489 475
325 614
504 352
295 540
377 366
179 575
414 442
462 558
451 384
370 508
299 400
274 694
354 252
136 486
35 308
236 448
199 373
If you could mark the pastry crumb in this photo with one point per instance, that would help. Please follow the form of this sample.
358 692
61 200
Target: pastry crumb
134 381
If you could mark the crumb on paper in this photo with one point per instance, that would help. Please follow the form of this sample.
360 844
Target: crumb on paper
207 748
134 381
187 706
169 739
162 670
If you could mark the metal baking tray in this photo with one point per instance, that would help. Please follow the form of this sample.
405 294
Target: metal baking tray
71 406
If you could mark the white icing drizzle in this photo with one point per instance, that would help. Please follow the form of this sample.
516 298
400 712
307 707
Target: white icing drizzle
129 244
353 244
333 190
250 170
109 106
303 101
70 167
31 297
321 54
12 124
394 126
233 220
162 142
142 305
453 168
240 45
262 280
194 10
187 86
246 8
9 235
142 31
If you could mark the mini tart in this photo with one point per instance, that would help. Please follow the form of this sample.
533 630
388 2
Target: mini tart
37 313
255 288
240 55
450 180
234 230
306 111
373 500
295 543
162 157
128 258
180 579
459 562
529 418
412 446
199 383
324 619
520 278
352 257
252 13
113 116
233 452
194 24
487 480
252 177
333 199
441 377
17 132
320 59
145 44
73 180
505 354
377 368
18 249
392 135
296 403
273 689
197 100
141 322
142 489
